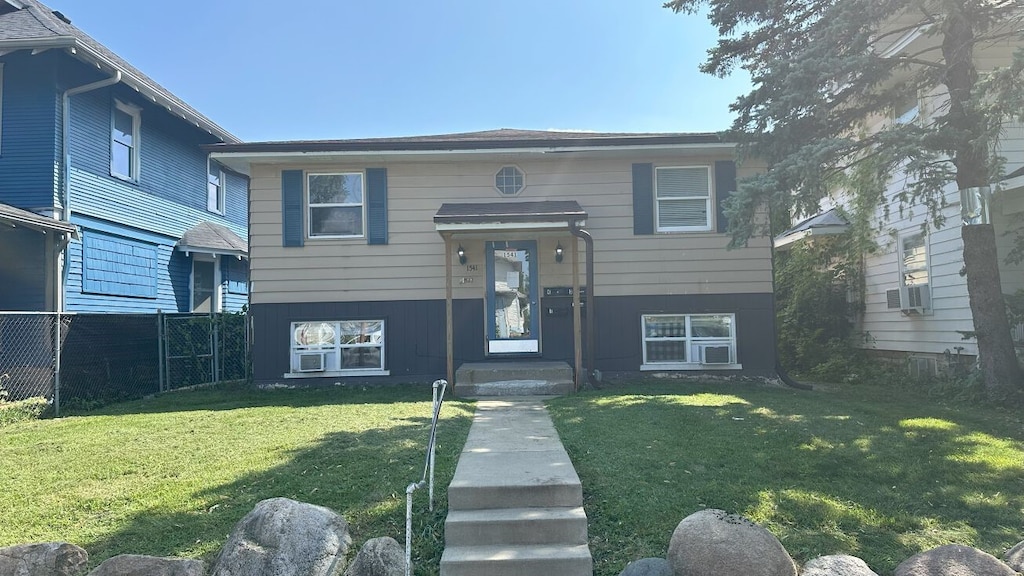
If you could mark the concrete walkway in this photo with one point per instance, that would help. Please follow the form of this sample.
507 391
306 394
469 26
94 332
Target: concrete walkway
515 503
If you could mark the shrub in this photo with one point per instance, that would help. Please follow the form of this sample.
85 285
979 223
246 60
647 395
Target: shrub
21 410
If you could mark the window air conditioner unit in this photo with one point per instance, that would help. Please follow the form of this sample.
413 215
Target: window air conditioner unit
311 362
716 354
915 299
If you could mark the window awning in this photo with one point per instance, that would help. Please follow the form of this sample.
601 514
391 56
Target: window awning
824 224
213 238
17 217
551 214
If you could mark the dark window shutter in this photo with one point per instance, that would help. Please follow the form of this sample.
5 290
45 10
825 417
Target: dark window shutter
377 205
643 199
291 208
725 185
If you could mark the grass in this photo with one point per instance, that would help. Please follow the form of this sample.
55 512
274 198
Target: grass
170 476
874 473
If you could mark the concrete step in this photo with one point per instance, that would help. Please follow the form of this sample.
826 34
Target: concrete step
525 479
554 560
516 526
480 372
513 388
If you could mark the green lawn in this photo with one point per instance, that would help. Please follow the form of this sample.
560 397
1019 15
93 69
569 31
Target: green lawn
171 476
881 475
878 474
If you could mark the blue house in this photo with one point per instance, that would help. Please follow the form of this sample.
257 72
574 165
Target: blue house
107 201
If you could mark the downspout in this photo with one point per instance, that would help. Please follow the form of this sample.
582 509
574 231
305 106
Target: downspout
65 154
575 230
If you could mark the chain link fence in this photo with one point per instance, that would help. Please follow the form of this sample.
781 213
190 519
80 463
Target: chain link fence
89 360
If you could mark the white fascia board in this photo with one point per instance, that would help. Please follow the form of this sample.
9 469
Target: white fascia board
252 157
1011 184
86 53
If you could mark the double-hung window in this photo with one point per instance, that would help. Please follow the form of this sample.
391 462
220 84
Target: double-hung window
214 188
338 348
689 341
335 205
683 198
124 141
915 292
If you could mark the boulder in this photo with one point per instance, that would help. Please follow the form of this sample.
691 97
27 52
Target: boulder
282 537
953 560
378 557
136 565
648 567
716 543
836 565
44 559
1014 557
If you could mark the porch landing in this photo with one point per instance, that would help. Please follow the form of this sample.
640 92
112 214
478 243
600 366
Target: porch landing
513 378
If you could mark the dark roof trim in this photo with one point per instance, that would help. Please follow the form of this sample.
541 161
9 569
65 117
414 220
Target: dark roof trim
18 217
453 142
510 212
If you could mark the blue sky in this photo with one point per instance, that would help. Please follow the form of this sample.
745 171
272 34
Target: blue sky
315 69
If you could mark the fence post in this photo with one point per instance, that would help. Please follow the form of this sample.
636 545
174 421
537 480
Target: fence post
215 341
160 345
56 364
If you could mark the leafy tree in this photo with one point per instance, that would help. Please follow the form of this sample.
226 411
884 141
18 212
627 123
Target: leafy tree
821 76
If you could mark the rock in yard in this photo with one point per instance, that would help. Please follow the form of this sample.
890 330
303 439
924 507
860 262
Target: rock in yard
378 557
45 559
1014 557
836 565
953 560
648 567
715 543
136 565
282 537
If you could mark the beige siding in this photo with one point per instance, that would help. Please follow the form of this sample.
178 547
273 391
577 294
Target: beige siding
411 265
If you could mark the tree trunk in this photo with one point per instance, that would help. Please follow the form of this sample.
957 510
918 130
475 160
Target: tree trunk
971 158
991 326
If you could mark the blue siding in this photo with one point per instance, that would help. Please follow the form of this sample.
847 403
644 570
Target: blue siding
236 203
31 126
22 269
118 266
234 283
172 270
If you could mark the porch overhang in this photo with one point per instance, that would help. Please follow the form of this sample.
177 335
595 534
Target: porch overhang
509 216
212 238
829 223
16 217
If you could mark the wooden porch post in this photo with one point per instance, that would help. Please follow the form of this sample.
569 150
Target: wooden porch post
450 339
577 325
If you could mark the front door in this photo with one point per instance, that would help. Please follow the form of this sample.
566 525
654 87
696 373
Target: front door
204 286
512 309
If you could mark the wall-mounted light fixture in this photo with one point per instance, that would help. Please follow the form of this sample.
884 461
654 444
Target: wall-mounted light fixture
462 254
558 253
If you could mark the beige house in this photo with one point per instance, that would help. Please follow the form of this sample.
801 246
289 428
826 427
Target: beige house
402 258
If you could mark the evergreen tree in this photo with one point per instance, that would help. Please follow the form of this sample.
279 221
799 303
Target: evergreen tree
822 72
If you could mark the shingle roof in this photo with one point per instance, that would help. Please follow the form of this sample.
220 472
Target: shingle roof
486 139
545 211
17 216
36 25
212 238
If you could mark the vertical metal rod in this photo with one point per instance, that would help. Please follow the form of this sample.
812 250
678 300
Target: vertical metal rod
408 529
56 364
160 346
215 341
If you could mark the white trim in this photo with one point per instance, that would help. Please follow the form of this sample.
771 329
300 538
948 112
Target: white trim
133 160
903 41
816 231
522 176
337 374
708 202
476 226
524 346
309 205
901 271
665 367
219 204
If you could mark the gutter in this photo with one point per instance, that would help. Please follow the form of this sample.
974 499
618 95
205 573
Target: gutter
575 230
65 153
